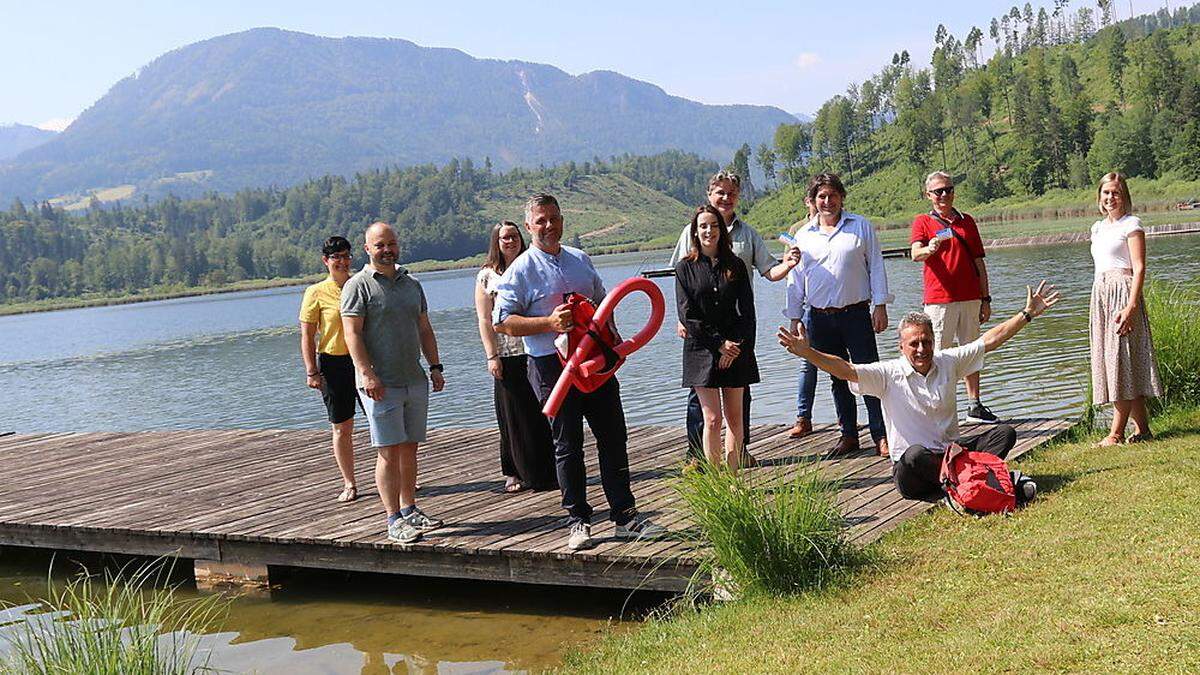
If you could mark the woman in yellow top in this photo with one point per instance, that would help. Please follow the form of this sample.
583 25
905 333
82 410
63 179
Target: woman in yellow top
327 360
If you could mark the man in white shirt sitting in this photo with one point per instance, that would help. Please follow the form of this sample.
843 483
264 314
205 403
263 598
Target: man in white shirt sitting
918 392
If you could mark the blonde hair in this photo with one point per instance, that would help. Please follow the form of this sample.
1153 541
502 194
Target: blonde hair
1118 178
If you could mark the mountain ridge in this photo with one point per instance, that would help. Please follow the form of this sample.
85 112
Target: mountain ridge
273 106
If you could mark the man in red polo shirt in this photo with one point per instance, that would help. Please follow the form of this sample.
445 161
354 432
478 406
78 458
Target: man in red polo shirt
956 279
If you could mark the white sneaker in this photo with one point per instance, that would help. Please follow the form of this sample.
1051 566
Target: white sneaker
580 536
640 529
1029 489
422 522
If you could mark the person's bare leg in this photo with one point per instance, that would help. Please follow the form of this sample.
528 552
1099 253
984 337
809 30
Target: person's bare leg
731 397
1116 433
710 404
387 477
343 450
972 381
1141 419
407 474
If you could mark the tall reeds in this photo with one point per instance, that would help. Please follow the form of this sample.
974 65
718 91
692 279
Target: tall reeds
1175 330
763 534
117 624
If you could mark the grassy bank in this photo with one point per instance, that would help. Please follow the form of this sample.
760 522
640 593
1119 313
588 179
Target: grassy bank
1098 574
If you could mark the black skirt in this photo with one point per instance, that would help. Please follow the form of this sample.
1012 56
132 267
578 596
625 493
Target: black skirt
700 368
526 449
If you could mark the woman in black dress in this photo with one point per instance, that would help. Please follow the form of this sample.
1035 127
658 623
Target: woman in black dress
526 449
716 305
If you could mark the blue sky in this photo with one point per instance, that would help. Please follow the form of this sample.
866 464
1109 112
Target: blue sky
60 57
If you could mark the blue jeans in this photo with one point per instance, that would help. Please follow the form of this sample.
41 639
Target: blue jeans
807 389
848 334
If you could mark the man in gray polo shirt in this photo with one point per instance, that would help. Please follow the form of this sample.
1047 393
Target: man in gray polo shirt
385 320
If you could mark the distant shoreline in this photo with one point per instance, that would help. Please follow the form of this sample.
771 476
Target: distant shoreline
466 263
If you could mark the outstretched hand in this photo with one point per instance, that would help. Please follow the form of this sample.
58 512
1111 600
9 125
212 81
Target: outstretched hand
795 342
1045 297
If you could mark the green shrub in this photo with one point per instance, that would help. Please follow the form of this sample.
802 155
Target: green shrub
1176 334
115 625
767 535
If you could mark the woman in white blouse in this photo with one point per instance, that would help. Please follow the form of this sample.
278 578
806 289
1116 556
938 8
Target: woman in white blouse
1124 371
526 449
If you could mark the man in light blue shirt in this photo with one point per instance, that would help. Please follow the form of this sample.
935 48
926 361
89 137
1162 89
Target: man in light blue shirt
842 280
530 304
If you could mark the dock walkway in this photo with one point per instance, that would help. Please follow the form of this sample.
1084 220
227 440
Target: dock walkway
267 498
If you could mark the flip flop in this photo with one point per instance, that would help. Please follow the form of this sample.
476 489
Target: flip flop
348 494
1109 441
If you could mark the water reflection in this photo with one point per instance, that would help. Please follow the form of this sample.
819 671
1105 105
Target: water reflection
231 361
323 622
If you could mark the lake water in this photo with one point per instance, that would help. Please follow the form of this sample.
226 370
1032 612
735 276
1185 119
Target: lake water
232 361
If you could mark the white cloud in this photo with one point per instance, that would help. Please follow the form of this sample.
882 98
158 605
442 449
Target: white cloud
56 124
806 60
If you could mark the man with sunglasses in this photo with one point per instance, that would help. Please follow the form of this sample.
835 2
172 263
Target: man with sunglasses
957 298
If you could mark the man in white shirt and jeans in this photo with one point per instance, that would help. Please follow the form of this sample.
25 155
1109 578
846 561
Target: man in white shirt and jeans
918 393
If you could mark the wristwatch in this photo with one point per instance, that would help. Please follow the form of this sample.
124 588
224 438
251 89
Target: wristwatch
986 298
437 368
1028 316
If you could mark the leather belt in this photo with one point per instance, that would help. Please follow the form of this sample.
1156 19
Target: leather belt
865 304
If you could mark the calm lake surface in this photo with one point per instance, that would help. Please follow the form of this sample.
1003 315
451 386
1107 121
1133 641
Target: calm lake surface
232 361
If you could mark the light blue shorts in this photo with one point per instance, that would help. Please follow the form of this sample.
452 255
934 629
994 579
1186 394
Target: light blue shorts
400 416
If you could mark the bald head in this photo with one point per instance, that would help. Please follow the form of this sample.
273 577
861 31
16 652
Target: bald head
382 247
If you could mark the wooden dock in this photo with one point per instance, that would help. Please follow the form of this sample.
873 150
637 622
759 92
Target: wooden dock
265 498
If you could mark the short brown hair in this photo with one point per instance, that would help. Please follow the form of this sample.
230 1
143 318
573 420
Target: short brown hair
825 180
1118 178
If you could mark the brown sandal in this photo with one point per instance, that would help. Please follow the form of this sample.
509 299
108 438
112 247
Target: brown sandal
348 494
1109 441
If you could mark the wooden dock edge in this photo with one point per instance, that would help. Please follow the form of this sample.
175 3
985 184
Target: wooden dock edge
554 569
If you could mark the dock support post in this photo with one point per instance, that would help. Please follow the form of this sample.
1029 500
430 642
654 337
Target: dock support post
214 575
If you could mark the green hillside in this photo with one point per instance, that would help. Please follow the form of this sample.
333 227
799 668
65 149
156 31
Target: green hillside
1027 131
50 254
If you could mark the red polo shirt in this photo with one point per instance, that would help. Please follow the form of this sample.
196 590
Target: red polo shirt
950 274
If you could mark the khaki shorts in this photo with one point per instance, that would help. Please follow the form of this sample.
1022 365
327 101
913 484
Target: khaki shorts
954 320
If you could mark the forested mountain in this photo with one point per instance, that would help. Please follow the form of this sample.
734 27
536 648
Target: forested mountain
263 233
17 138
1055 100
268 106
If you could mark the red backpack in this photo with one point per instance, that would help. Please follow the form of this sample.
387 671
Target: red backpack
978 481
605 338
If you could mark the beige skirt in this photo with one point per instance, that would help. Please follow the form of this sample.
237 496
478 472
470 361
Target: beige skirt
1123 366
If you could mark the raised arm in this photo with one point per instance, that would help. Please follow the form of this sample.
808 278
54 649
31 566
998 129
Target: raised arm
1036 303
797 343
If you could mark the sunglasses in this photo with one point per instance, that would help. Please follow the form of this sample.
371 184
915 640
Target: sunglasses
942 191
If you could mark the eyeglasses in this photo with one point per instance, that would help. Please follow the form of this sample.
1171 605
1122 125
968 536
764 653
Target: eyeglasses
942 191
338 256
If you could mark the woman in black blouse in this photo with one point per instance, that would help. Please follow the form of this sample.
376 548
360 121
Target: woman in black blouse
716 305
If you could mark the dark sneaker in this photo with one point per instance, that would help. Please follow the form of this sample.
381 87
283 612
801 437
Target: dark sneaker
580 536
640 529
422 522
980 413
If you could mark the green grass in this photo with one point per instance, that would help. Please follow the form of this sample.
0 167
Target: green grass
118 624
774 536
1098 574
1176 335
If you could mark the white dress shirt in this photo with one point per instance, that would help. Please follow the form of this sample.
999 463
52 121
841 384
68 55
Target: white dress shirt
843 267
919 409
